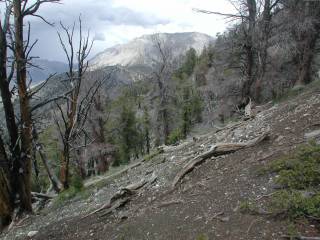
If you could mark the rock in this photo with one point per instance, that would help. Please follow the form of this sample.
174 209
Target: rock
313 134
32 234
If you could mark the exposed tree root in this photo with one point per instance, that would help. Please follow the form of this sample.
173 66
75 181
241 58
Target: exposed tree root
42 196
123 195
301 238
118 204
174 202
217 150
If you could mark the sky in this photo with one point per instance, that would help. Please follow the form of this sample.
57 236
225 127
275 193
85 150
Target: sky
114 22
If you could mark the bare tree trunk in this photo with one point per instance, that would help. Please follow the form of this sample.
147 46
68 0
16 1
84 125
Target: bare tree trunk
306 33
6 201
306 59
9 113
64 165
263 50
25 114
249 49
166 130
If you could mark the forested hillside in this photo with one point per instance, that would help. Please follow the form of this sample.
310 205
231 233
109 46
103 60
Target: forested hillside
111 139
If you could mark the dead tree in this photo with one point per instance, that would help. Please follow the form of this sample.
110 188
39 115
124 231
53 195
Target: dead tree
75 109
253 47
22 49
12 128
264 34
305 28
162 73
20 137
6 200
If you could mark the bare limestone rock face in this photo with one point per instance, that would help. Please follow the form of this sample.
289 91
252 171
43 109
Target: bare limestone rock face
313 135
32 234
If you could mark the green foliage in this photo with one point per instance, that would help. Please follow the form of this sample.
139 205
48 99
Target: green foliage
292 231
77 182
188 65
247 207
202 237
153 155
298 174
130 126
301 170
296 204
174 136
70 194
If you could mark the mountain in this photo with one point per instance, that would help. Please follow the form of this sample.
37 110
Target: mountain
140 51
44 69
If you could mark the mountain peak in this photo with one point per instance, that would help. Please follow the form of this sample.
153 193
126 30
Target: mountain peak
140 51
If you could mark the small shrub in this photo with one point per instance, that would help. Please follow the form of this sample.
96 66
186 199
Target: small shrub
77 182
295 204
174 137
202 237
299 171
153 154
247 207
298 175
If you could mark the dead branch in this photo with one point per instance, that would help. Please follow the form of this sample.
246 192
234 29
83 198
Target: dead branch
217 150
227 15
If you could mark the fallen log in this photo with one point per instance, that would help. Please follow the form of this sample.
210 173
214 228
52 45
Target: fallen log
217 150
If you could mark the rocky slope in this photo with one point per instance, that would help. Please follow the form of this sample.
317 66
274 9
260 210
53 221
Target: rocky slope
206 203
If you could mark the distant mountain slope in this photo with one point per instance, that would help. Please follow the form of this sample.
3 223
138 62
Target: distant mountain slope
45 68
140 51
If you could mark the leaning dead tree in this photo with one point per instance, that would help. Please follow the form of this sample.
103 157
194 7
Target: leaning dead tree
19 128
75 109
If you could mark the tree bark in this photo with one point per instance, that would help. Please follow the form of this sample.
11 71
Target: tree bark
306 59
249 49
9 114
6 201
307 39
263 49
25 114
64 166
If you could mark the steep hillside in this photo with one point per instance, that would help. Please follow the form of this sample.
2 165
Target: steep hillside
209 201
140 51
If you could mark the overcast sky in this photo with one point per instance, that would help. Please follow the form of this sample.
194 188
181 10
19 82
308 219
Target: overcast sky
118 21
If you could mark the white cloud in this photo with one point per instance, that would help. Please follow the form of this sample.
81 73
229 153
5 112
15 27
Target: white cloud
118 21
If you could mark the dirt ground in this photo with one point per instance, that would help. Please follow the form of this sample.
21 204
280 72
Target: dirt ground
206 204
